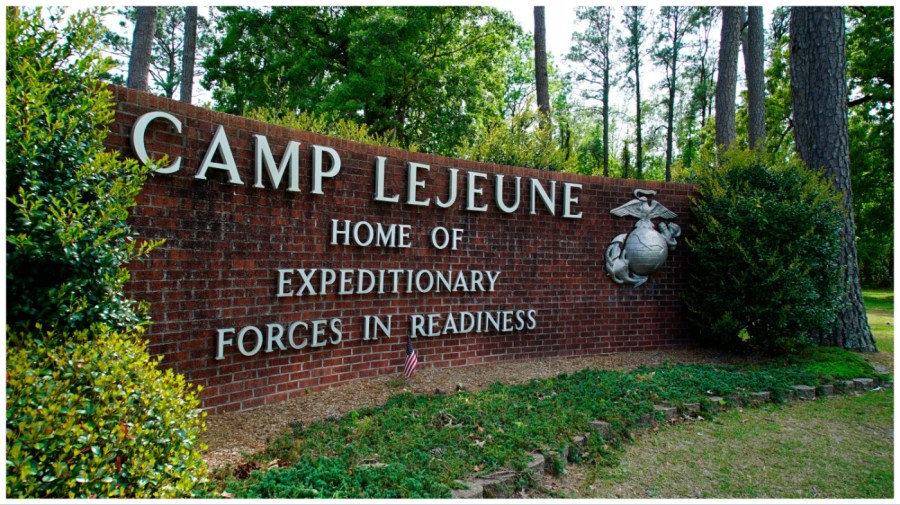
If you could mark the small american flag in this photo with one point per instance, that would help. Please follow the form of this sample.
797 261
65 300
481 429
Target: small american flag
411 360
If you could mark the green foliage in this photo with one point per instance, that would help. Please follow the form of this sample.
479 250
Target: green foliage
68 241
520 142
427 75
418 446
764 265
315 477
325 125
870 62
95 416
872 178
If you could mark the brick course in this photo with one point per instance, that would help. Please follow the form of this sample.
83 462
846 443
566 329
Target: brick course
225 243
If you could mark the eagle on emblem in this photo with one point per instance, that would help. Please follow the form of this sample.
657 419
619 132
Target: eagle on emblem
642 208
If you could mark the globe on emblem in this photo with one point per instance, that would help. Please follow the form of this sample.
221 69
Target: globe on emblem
631 257
646 249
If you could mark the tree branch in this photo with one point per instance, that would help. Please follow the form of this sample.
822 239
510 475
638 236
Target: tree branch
859 101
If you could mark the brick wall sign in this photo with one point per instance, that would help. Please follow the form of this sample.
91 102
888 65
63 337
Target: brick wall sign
295 261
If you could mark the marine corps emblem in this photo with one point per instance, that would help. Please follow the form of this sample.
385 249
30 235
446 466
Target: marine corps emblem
631 257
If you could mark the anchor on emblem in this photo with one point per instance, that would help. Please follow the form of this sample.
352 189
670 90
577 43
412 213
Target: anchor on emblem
631 257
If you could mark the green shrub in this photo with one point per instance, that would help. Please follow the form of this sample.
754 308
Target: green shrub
95 416
67 237
323 125
765 267
519 142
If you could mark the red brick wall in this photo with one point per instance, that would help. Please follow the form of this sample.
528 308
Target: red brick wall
225 243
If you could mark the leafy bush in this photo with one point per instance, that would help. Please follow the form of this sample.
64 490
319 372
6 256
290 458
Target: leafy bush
89 413
67 237
324 125
765 267
519 142
95 416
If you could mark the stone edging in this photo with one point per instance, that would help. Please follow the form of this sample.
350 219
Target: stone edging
503 483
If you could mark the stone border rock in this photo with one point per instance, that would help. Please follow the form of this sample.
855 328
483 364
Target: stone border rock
503 483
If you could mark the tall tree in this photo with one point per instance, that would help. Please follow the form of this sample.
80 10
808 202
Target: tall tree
593 50
754 66
819 98
726 83
625 161
141 48
188 54
674 25
171 34
702 61
635 31
541 82
698 77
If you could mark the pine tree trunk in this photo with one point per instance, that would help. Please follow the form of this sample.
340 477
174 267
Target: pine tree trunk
639 146
727 81
819 99
670 125
704 97
606 71
189 54
540 65
754 61
141 48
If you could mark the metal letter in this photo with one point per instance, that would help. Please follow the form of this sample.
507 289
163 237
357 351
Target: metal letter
290 158
471 191
451 183
139 130
317 173
379 182
220 143
549 200
568 200
414 182
498 191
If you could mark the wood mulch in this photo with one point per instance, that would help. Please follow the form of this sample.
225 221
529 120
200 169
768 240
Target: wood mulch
232 435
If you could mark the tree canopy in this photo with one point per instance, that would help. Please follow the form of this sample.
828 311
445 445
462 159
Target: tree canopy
426 74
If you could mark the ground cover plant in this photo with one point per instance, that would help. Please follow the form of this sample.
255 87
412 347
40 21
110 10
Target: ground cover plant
420 446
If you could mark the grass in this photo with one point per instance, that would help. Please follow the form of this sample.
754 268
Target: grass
840 447
420 446
880 309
